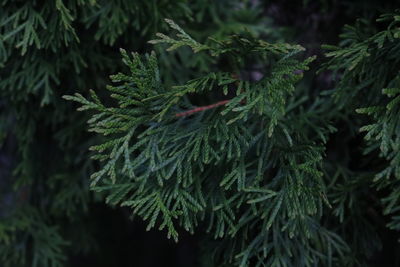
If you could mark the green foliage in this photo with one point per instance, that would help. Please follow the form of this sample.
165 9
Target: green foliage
370 62
224 131
28 227
243 168
51 48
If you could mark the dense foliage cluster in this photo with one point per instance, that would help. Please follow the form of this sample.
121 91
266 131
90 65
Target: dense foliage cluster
221 126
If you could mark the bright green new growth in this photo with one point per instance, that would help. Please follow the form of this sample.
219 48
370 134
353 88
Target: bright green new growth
246 170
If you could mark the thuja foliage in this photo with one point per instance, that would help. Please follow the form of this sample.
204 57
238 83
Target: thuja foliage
247 167
52 48
268 155
368 63
253 165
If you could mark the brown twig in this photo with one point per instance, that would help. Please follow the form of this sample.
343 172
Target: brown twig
202 108
199 109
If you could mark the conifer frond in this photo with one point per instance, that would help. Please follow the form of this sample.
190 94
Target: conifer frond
369 66
234 166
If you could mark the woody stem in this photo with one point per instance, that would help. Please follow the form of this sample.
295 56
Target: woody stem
202 108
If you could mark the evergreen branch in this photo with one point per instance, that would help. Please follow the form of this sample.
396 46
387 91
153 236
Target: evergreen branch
180 172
